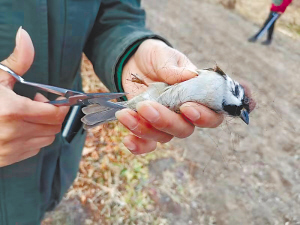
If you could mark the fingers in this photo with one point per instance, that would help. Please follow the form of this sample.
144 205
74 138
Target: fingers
16 130
20 60
22 149
32 146
164 120
138 145
22 108
173 66
140 127
201 116
177 67
155 122
38 142
38 130
42 113
27 154
174 74
23 116
158 62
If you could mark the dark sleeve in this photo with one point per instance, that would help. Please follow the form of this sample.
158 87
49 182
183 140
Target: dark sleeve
120 25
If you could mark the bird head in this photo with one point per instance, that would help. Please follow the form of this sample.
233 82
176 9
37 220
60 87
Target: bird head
237 99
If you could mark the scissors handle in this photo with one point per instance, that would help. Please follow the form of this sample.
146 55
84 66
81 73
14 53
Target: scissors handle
8 70
72 97
48 88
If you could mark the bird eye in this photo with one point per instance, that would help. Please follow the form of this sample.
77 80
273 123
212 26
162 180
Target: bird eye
246 100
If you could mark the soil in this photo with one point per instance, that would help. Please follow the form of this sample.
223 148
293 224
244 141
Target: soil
245 174
235 174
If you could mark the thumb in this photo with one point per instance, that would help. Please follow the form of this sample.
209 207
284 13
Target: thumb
175 74
20 60
175 69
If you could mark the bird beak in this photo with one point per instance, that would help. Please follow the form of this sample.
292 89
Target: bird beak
245 116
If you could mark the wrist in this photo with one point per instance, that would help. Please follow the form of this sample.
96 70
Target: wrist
121 65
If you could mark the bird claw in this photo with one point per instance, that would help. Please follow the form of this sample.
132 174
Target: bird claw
137 79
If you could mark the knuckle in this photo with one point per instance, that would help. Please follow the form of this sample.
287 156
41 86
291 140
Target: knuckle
8 135
13 110
11 60
164 125
7 113
138 131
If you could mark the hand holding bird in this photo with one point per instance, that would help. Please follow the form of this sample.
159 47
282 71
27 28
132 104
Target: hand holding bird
172 84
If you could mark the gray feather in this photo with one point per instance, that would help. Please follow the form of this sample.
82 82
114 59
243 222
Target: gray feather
211 88
98 114
87 127
94 108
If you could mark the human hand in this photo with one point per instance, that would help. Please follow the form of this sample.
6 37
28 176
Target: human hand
154 61
26 125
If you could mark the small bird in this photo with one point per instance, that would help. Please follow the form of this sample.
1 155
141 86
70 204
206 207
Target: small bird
211 87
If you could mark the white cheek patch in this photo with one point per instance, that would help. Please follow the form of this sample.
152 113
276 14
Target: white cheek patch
230 83
242 93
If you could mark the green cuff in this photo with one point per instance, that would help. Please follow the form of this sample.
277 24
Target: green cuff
122 62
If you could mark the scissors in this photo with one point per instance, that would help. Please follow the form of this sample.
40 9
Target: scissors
72 97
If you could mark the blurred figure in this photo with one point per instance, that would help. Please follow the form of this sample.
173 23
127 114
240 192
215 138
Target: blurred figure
277 8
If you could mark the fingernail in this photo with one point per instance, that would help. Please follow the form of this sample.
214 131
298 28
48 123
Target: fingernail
190 112
18 37
127 119
152 115
129 144
192 70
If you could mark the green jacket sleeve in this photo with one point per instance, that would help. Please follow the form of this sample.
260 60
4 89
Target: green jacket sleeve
120 24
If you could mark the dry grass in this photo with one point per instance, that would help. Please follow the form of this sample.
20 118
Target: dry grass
117 187
114 185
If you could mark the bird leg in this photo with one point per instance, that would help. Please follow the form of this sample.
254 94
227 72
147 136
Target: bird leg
137 79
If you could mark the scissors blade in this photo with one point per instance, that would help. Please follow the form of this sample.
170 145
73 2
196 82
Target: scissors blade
107 96
88 99
44 87
105 103
64 102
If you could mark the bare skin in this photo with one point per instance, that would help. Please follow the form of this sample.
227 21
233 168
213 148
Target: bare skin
42 121
152 123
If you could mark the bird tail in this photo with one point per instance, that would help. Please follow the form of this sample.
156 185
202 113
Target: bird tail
97 114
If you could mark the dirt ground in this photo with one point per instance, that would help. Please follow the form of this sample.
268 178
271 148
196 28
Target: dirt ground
245 174
235 174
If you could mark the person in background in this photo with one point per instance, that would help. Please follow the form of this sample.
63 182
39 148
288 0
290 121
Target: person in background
277 8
